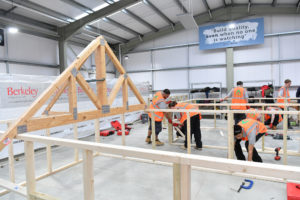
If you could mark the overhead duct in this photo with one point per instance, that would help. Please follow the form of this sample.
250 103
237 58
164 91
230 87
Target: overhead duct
187 20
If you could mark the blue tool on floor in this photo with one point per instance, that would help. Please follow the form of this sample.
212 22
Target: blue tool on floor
246 187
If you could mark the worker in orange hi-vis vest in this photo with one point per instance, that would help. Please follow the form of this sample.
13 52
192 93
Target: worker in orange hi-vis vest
195 118
255 116
239 95
273 119
250 131
284 93
159 101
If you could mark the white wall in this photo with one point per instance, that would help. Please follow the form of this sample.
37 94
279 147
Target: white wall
209 65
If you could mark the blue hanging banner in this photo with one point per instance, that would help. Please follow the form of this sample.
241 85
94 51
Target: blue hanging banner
232 34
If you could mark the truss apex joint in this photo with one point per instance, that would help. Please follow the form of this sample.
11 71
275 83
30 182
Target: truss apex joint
74 72
102 42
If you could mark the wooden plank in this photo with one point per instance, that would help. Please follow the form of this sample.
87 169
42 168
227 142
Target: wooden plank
59 120
114 59
176 182
41 196
185 181
123 129
97 130
13 187
57 113
76 154
101 73
125 94
30 168
135 91
89 91
153 130
11 158
285 128
56 97
115 90
72 96
49 153
88 175
230 136
188 133
170 133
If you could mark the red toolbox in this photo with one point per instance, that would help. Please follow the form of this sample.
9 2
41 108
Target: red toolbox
293 191
107 132
120 132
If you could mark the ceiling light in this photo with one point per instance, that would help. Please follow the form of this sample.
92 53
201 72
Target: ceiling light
13 30
100 7
126 57
81 16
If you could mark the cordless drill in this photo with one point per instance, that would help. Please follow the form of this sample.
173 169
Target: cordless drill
277 157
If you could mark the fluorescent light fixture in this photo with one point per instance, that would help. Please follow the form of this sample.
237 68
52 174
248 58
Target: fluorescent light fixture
13 30
188 21
126 57
232 25
81 16
100 7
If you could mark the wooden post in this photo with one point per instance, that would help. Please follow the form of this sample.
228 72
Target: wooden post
88 175
101 72
75 128
230 134
185 181
49 153
11 159
30 168
73 97
153 130
188 132
285 128
123 129
97 130
215 115
176 182
263 121
170 133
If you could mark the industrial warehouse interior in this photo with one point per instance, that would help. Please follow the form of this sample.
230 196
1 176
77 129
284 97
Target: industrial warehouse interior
150 99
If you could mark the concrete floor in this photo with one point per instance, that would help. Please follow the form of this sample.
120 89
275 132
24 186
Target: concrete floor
130 180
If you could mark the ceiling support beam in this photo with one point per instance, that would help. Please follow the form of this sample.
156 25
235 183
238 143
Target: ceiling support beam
140 20
207 8
298 6
10 10
79 6
274 3
105 33
181 6
249 6
155 9
121 26
75 26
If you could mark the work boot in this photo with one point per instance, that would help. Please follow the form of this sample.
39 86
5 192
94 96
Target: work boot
159 143
183 147
198 148
148 139
274 127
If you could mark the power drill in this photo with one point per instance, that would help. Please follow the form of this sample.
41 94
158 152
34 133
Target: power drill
277 157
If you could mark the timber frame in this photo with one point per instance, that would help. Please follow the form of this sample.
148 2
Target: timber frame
69 78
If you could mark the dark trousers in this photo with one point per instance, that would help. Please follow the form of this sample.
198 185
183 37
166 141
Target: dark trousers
195 129
239 152
238 117
275 122
289 125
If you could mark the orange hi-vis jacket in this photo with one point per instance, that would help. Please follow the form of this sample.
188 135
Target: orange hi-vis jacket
249 124
238 97
254 116
183 116
158 97
268 116
286 94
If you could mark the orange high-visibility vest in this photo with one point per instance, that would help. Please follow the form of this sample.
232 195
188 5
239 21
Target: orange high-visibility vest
157 98
253 115
286 94
268 116
238 98
249 124
183 116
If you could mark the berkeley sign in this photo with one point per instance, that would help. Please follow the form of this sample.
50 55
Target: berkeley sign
232 34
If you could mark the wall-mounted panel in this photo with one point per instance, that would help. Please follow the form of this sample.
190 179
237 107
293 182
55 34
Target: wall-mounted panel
262 52
253 73
208 75
31 48
141 77
2 68
170 79
32 70
206 57
285 23
137 61
291 71
290 46
165 58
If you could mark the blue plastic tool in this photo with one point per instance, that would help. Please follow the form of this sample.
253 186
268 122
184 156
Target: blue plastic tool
249 186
